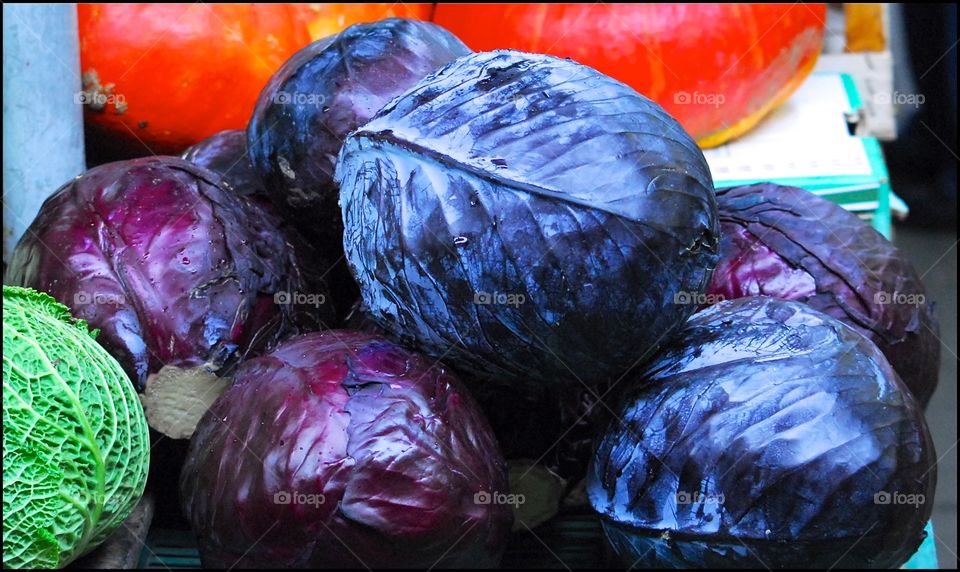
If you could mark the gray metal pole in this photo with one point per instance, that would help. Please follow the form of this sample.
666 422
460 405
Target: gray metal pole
42 119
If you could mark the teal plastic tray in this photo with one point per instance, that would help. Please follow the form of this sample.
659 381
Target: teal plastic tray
567 542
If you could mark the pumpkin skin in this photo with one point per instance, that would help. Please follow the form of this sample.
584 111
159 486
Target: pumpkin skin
327 19
717 68
184 71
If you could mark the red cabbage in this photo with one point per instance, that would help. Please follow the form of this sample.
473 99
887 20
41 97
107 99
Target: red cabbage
225 153
768 434
322 93
171 267
791 244
528 218
341 449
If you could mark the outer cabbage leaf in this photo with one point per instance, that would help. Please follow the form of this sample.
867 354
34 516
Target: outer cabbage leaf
341 449
225 153
768 434
791 244
75 440
528 218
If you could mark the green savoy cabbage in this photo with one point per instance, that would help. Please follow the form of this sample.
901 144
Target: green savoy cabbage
75 440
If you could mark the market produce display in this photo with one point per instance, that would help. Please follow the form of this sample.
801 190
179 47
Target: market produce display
505 211
717 68
324 92
791 244
341 449
394 300
176 271
766 432
75 441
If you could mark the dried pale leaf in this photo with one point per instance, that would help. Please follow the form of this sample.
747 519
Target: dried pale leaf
175 399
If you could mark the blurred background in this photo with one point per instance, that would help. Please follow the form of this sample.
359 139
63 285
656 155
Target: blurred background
923 159
923 171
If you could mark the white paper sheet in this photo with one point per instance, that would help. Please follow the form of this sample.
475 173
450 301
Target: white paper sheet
805 137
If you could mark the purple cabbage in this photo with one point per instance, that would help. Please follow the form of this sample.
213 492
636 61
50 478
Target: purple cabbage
322 93
529 219
341 449
171 267
768 434
791 244
225 154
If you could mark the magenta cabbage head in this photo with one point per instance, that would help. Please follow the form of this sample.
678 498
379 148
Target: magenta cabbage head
342 449
322 93
171 267
791 244
767 434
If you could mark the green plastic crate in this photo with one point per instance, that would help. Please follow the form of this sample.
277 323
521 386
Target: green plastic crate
573 541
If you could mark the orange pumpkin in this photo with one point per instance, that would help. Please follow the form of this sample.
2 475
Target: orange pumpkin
326 19
717 68
161 77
